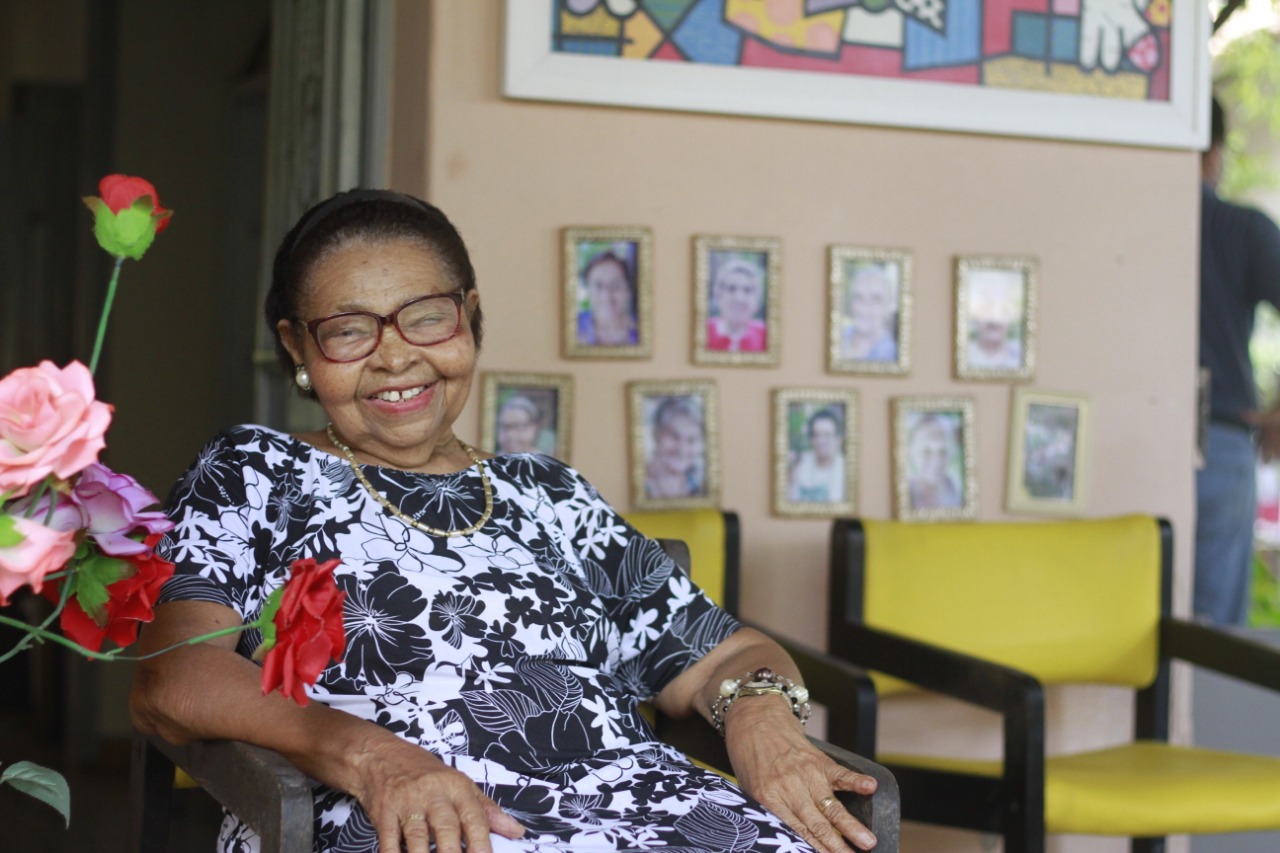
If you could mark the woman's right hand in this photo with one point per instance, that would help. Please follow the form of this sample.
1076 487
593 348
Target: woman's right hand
412 796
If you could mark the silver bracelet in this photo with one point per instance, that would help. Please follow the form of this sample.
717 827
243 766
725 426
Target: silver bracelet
759 682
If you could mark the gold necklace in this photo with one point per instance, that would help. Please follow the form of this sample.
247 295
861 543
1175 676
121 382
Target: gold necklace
413 522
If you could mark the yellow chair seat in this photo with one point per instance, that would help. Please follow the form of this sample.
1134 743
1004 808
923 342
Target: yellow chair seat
1145 789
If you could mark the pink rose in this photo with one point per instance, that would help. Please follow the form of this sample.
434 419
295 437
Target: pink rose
41 551
112 505
50 423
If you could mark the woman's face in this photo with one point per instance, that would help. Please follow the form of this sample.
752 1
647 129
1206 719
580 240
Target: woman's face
930 453
824 439
610 294
396 406
677 444
870 303
517 430
738 297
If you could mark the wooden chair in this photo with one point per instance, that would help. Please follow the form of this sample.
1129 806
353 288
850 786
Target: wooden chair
989 613
273 797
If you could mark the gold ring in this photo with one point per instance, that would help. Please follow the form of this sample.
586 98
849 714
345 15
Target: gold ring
414 816
826 804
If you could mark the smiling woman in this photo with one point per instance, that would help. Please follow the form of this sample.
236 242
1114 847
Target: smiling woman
503 622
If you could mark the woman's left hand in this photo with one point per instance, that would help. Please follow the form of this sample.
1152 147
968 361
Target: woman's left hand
776 764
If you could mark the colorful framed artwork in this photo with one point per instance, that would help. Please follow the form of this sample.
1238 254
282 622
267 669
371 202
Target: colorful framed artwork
933 458
675 454
815 452
737 293
608 292
869 327
995 317
1048 440
527 413
1133 72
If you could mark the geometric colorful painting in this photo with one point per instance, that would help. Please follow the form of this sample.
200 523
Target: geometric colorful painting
1108 48
1130 72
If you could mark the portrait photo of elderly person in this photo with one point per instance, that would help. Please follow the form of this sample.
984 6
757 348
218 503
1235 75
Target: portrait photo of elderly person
994 318
676 462
519 425
933 442
737 302
817 474
497 647
871 325
606 292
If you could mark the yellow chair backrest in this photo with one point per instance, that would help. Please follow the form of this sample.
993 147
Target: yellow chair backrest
703 530
1066 601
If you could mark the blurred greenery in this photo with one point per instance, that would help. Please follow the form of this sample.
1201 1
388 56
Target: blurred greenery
1265 609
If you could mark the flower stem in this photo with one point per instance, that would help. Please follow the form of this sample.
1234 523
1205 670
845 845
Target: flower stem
114 654
106 312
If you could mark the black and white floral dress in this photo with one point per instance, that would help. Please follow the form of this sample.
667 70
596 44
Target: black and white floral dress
518 653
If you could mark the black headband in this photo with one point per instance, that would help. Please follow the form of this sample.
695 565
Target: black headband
342 200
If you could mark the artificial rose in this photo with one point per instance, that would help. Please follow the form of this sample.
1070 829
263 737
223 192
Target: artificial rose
128 216
112 505
132 602
41 551
308 630
50 423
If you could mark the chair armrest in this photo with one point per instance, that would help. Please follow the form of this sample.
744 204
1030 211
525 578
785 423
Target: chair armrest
256 785
882 811
845 688
956 674
1219 650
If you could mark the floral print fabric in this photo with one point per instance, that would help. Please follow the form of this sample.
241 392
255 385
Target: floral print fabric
519 654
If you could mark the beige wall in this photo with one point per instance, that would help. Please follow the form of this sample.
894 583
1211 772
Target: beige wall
1114 228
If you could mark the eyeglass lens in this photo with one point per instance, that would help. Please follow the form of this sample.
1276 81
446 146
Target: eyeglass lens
421 322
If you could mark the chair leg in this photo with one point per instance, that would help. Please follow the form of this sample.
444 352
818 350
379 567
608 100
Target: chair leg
150 795
1148 845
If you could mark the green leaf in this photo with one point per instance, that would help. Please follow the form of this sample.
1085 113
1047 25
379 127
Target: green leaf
267 621
47 786
92 577
9 535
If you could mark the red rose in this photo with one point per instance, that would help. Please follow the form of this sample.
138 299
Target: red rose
307 627
121 191
132 601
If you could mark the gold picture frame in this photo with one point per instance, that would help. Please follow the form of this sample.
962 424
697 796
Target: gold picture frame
527 412
995 317
869 301
674 444
1048 440
935 476
808 425
607 292
737 300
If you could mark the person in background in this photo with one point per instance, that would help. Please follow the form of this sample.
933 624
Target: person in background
737 295
610 319
818 473
1239 269
519 424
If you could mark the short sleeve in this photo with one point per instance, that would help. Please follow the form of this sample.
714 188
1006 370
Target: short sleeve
221 529
664 621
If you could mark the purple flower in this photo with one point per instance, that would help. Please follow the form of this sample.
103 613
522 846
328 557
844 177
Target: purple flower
112 506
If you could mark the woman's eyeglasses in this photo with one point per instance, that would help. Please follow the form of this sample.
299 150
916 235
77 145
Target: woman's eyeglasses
353 335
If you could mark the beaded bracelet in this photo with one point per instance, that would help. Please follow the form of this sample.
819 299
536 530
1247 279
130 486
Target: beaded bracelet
759 682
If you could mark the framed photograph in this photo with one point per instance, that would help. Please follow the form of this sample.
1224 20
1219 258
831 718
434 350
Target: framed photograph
608 292
1133 74
869 329
1048 439
737 293
675 454
815 445
995 317
527 413
933 458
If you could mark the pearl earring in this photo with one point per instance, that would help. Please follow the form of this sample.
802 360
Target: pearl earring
302 378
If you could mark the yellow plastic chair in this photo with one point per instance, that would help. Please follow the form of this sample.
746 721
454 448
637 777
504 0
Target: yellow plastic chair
990 613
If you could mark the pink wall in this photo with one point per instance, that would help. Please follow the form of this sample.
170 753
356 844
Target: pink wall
1115 230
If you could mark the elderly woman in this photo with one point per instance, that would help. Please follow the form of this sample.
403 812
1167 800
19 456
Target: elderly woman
737 295
503 622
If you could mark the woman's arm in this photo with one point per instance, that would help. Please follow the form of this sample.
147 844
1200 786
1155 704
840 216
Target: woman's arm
207 691
772 759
